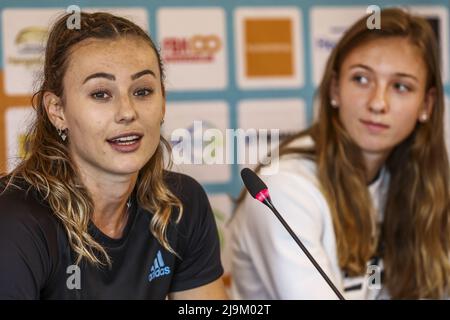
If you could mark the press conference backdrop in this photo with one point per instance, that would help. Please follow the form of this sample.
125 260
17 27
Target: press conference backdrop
229 64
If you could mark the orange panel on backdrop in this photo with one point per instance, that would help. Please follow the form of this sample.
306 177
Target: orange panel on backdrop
269 47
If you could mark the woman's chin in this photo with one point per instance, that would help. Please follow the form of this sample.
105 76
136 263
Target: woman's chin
127 168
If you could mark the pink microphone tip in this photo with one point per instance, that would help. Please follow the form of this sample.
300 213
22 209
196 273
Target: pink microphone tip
262 195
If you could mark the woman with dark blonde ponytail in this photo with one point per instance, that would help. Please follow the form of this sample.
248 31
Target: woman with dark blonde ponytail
91 213
366 188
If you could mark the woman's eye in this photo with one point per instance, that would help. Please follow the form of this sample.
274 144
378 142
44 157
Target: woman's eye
402 87
100 95
360 79
143 92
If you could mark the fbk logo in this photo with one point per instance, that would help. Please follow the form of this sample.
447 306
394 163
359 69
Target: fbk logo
158 268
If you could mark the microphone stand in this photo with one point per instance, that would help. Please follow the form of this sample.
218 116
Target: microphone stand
268 203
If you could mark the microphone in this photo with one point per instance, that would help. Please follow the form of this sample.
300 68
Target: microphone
258 189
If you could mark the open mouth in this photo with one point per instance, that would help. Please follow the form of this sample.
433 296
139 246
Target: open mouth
125 142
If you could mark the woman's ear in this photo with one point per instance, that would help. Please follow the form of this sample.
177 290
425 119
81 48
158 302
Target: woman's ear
55 112
429 101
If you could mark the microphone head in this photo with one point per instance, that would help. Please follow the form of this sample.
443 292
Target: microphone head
252 182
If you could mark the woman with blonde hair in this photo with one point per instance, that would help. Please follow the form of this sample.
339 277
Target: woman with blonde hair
366 188
91 213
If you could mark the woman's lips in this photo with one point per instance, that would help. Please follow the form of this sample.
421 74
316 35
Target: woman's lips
125 148
125 143
374 127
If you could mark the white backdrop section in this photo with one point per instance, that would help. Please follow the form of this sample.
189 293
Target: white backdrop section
193 47
287 115
25 33
292 14
17 121
328 24
211 115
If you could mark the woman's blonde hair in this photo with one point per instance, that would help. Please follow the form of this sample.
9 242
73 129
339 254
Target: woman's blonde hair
415 236
48 166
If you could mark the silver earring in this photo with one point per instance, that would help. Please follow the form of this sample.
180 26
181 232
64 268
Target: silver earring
62 133
334 103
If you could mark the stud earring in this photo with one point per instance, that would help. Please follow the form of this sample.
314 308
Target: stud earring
333 103
423 117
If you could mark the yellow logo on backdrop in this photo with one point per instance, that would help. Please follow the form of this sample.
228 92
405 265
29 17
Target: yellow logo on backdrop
31 35
30 42
269 47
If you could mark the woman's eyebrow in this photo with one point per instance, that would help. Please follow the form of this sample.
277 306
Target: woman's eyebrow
111 77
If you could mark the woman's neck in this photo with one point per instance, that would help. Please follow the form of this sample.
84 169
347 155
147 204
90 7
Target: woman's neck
373 163
110 196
